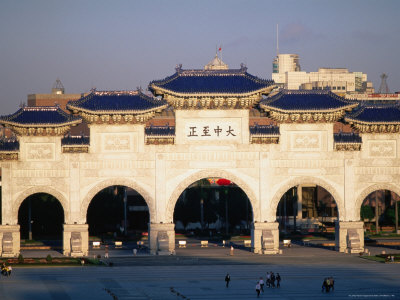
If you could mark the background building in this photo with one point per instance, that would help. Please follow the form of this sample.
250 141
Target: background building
286 72
56 97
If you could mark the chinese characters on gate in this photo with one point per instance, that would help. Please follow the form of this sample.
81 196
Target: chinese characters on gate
212 131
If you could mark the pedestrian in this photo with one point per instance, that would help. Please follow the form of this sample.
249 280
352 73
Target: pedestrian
325 285
278 280
332 283
272 279
9 270
106 251
231 251
261 281
227 279
268 278
258 288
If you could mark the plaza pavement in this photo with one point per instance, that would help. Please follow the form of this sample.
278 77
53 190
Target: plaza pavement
198 273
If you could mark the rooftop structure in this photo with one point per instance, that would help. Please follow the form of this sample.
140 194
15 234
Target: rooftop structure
211 88
56 97
117 107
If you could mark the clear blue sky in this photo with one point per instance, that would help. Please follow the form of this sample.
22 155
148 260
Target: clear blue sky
119 45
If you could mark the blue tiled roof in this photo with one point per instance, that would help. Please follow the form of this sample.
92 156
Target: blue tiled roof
116 101
313 100
160 130
264 129
75 140
236 81
347 137
376 112
40 115
6 145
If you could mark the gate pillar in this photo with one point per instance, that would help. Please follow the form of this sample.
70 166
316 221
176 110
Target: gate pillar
9 240
162 238
76 240
265 238
349 236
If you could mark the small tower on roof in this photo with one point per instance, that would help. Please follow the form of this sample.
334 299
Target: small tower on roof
383 89
216 64
58 88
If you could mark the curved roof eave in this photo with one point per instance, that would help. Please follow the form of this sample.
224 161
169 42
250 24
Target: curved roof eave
164 91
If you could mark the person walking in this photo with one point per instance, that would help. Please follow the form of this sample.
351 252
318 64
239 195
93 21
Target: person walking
258 288
227 279
231 250
268 279
261 282
272 279
278 280
106 251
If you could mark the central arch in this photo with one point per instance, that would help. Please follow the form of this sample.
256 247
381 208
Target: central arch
211 173
121 182
305 180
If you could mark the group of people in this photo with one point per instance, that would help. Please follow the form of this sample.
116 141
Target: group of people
6 270
269 281
328 284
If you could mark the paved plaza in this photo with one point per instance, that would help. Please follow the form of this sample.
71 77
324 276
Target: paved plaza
198 273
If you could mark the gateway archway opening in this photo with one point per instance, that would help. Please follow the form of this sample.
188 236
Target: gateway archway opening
308 212
118 212
380 212
214 208
41 219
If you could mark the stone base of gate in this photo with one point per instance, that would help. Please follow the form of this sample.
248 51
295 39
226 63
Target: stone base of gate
349 236
9 240
162 238
265 238
76 240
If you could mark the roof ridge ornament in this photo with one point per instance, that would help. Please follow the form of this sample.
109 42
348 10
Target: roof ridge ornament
243 67
178 68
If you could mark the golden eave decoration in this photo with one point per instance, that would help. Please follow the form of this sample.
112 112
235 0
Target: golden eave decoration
119 117
369 127
212 100
38 130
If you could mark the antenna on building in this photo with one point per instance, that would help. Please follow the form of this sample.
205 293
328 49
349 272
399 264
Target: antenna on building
383 89
58 87
277 39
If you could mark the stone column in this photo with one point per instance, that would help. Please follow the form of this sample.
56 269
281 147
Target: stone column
76 240
349 236
9 240
162 238
265 237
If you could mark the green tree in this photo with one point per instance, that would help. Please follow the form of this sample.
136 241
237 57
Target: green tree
367 212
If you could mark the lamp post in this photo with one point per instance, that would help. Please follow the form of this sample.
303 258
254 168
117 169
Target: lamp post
202 213
225 183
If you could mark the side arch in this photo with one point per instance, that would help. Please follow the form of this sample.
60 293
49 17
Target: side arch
211 173
307 180
41 189
112 182
369 190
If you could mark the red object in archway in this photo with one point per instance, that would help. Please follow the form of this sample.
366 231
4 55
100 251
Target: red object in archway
223 181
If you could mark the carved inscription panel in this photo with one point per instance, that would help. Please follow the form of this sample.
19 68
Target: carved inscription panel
212 129
118 142
386 149
306 141
40 152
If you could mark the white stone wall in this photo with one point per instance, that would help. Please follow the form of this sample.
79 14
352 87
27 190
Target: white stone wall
160 173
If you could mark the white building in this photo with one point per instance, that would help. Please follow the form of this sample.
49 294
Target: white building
287 73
